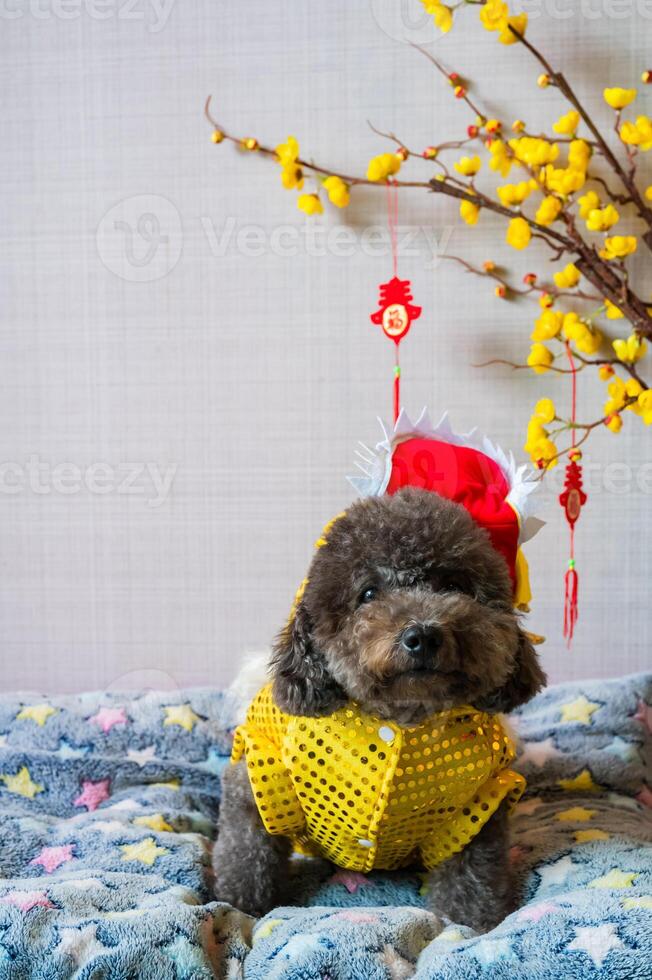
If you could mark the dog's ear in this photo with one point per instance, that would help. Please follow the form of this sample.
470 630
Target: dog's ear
525 680
302 682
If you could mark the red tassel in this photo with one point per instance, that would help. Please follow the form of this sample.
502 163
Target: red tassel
570 602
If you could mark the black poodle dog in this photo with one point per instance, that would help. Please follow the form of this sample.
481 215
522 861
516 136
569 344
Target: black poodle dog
407 612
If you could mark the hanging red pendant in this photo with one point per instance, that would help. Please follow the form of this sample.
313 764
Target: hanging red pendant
572 499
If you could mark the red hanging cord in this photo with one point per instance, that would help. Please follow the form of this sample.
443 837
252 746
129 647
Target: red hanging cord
392 219
572 500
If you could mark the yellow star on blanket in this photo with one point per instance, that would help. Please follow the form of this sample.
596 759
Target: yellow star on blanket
639 902
576 814
155 821
582 783
585 836
266 929
614 879
579 710
182 715
22 783
38 713
144 851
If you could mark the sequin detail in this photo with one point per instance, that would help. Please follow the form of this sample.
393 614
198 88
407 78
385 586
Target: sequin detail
340 787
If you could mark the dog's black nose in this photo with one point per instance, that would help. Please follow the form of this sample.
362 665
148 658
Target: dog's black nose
421 641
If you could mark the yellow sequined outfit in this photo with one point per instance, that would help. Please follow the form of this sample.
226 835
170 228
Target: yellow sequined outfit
366 793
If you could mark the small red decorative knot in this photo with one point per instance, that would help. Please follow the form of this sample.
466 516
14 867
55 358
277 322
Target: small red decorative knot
573 497
396 311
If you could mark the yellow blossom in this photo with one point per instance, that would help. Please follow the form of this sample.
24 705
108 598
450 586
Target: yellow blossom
534 151
519 23
543 452
564 181
648 192
469 212
612 312
288 152
494 14
310 204
602 219
548 210
630 350
618 98
383 166
638 133
548 325
501 159
468 166
644 405
518 234
539 358
617 396
291 177
587 339
587 203
338 191
618 247
568 277
545 410
605 371
567 125
513 194
614 423
579 155
545 301
442 15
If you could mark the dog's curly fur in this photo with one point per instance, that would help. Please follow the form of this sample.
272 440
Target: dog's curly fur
390 563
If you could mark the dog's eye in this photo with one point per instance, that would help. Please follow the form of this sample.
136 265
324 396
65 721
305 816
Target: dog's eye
367 595
455 582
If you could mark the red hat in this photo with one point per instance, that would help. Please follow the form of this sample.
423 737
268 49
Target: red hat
468 469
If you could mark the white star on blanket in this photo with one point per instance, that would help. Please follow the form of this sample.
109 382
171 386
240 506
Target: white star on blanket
555 874
81 944
538 753
596 941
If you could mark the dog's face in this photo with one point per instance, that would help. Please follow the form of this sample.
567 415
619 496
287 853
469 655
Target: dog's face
408 610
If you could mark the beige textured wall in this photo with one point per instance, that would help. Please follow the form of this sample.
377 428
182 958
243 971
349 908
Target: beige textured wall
167 316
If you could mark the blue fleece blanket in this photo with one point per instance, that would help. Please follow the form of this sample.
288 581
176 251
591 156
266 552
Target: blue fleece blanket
108 805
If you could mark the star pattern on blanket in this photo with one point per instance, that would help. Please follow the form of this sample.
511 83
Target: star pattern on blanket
182 715
596 941
644 796
490 951
616 878
142 756
22 784
533 913
580 710
38 713
582 783
107 718
146 851
538 753
51 858
67 750
188 958
555 873
620 747
351 880
637 902
594 833
644 715
154 821
93 794
576 814
26 901
81 944
266 929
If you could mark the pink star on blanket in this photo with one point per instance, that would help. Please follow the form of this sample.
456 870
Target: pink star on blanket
532 913
352 880
353 915
644 715
106 718
51 858
645 796
93 794
27 900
